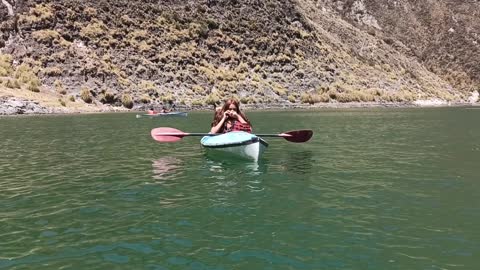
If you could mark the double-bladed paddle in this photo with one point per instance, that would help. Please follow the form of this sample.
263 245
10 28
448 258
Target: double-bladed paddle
167 134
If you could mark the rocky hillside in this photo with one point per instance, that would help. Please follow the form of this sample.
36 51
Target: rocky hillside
106 54
444 36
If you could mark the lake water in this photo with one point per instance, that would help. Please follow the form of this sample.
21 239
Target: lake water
373 189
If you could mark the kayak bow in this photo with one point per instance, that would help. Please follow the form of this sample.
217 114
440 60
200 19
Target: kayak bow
238 143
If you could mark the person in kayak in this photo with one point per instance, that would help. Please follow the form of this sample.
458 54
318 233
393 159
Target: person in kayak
152 111
164 110
230 118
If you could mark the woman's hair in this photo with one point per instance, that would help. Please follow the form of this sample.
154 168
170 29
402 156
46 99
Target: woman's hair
219 112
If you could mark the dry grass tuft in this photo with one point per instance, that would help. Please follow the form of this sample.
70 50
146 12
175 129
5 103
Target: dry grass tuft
6 65
85 95
12 83
94 31
62 102
39 15
26 75
59 87
145 99
127 101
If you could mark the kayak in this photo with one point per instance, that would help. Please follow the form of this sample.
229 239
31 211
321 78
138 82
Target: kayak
162 114
238 143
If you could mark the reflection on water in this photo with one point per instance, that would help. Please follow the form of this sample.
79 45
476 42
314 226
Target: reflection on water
300 162
231 179
166 167
222 165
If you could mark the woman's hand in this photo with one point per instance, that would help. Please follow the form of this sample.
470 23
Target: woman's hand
232 114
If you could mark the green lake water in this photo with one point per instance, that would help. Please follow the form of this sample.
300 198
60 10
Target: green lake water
373 189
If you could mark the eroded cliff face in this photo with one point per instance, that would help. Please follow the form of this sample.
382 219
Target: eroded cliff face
128 53
444 36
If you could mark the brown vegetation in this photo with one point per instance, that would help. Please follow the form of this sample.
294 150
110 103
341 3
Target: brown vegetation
263 52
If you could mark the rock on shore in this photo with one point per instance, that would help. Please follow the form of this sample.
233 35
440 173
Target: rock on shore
12 106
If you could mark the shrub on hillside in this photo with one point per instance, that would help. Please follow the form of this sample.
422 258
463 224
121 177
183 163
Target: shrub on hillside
228 55
307 98
279 89
242 67
6 65
147 87
197 30
12 84
355 96
40 15
59 87
93 31
25 74
52 71
145 99
168 98
90 12
314 98
47 36
197 102
85 95
137 36
126 20
127 101
108 98
198 89
33 86
249 100
212 99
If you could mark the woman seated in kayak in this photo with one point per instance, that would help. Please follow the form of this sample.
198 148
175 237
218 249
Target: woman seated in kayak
230 118
152 111
164 110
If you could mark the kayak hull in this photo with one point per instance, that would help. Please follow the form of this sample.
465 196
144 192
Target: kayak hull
236 143
162 114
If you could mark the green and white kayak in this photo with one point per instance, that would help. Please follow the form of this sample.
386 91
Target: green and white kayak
238 143
162 114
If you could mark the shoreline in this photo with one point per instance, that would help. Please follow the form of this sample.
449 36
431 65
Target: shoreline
247 107
354 105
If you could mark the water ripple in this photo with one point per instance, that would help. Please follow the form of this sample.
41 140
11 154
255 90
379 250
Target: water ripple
372 190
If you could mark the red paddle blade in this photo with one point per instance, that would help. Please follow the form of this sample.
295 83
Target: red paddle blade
297 136
166 134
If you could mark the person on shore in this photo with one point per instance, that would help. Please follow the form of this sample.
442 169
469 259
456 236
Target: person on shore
230 118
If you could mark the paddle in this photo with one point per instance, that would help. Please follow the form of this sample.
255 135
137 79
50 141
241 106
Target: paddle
167 134
297 136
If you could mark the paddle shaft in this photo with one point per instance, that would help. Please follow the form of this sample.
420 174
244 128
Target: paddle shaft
273 135
166 134
215 134
179 134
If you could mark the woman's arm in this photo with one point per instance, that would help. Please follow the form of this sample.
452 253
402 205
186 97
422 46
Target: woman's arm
218 126
238 117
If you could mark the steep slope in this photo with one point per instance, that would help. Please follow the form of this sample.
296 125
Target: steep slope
443 35
196 52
